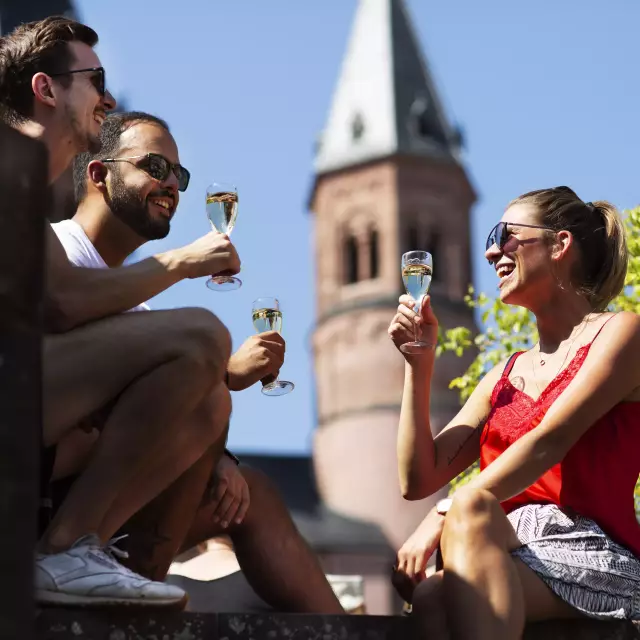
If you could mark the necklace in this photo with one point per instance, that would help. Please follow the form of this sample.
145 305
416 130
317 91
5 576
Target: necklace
581 328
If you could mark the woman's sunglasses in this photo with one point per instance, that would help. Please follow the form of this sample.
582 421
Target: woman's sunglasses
158 167
500 234
97 78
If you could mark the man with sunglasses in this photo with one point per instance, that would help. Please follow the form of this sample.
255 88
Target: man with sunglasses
156 431
128 194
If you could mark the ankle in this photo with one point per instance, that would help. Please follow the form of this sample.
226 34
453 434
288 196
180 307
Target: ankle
56 541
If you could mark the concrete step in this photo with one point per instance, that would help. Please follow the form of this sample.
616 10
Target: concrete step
76 624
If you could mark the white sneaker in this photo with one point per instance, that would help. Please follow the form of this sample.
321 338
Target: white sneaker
87 574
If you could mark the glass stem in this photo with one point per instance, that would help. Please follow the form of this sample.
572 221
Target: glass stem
417 308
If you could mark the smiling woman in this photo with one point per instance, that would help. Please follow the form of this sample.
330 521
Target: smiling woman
599 266
544 529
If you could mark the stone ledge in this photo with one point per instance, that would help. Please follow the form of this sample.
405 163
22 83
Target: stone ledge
75 624
583 629
68 624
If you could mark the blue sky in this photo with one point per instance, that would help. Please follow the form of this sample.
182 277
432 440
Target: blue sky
547 93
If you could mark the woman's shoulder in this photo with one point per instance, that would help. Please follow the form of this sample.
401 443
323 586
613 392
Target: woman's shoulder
620 327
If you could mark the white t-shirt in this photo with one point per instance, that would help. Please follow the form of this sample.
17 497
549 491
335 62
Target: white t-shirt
81 251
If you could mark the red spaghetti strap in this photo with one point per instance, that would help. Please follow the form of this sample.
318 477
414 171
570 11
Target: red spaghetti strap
510 362
602 326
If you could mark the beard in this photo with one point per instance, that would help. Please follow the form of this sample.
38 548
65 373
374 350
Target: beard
133 210
83 139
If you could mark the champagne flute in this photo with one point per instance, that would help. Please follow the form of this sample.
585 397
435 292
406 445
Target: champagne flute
267 316
417 269
222 209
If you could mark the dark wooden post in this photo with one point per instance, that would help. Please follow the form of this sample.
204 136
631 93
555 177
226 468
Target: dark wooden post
23 206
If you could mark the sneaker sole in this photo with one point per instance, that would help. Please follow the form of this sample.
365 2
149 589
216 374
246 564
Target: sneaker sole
54 598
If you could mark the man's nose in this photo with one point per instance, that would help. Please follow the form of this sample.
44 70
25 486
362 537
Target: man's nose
109 101
171 183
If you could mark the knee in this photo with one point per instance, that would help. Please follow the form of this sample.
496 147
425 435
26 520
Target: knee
213 413
266 501
472 511
427 594
205 340
259 483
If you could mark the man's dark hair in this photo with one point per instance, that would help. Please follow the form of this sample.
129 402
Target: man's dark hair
33 47
110 133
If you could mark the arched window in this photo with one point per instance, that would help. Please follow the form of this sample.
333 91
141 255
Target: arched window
350 260
357 128
374 256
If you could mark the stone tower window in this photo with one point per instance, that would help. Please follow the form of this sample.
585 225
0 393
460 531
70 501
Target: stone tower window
357 128
419 117
350 260
374 254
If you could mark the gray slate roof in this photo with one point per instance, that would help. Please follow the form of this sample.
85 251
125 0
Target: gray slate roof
386 101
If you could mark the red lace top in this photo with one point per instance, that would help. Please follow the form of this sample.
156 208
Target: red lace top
598 475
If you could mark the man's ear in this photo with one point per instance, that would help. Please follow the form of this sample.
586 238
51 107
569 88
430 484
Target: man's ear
562 243
43 89
97 174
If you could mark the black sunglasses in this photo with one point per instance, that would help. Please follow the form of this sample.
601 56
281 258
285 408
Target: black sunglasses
500 234
97 79
158 167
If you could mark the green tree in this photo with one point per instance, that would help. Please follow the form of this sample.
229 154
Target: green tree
509 329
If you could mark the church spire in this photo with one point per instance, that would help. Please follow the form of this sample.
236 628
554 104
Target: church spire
385 102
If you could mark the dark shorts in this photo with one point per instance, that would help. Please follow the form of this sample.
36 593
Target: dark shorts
229 594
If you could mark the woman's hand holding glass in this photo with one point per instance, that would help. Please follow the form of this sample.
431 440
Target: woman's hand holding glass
407 325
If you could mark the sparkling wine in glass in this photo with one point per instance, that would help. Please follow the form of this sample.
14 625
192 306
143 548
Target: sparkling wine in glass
267 316
222 209
417 269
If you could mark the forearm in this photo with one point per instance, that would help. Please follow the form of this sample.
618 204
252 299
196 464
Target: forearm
415 446
90 294
520 466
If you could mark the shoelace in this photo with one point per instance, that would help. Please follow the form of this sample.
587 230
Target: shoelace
112 553
111 550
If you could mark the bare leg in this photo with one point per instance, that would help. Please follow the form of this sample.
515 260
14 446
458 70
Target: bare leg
488 593
274 557
157 531
146 424
73 452
88 367
209 424
428 610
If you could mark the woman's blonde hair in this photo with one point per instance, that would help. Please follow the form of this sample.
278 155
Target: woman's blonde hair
598 231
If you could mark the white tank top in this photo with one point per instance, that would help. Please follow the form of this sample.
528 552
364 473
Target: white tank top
80 251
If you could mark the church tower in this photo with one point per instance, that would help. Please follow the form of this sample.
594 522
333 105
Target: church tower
388 179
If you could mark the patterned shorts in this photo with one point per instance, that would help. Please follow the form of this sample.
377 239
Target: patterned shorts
578 561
